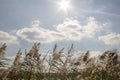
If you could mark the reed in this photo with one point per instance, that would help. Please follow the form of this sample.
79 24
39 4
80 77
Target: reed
58 65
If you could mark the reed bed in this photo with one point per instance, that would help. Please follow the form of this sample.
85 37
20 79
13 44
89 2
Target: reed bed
60 65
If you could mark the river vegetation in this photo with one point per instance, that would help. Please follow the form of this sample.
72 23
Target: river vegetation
59 64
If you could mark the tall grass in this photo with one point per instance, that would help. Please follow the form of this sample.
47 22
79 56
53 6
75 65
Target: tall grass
58 65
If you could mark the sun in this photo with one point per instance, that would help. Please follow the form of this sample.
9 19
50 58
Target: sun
64 5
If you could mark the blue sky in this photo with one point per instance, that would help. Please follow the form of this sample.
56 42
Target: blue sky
89 24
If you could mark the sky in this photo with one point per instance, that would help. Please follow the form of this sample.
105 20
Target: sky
89 24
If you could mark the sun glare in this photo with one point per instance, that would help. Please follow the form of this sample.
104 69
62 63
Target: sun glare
64 5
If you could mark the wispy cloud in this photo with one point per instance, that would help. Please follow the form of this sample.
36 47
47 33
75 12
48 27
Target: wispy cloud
70 29
7 38
111 39
99 12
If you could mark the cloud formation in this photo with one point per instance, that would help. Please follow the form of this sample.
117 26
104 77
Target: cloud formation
7 38
111 39
70 29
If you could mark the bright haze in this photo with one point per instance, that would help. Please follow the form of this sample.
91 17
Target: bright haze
64 5
89 24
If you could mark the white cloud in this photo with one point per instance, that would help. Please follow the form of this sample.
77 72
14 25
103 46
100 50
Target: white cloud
70 29
36 33
92 27
95 53
36 23
7 38
11 58
111 39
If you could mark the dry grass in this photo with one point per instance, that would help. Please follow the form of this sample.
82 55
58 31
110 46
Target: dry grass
61 66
